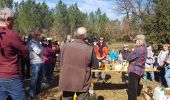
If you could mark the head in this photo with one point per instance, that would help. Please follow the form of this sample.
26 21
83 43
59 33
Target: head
68 38
35 35
81 33
6 17
149 47
55 41
113 50
25 38
125 47
101 39
44 40
166 47
140 40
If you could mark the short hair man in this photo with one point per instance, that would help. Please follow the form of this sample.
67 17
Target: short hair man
137 66
36 62
11 46
76 59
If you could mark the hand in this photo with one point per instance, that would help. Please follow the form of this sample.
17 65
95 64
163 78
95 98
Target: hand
53 48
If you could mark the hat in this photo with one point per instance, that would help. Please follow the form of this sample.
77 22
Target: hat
6 13
81 31
139 37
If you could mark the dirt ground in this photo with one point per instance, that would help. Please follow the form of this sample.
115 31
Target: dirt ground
111 89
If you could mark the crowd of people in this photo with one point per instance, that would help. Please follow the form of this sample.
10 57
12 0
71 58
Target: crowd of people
35 58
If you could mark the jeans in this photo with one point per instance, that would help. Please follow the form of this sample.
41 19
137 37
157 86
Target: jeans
48 70
36 79
151 73
167 75
12 87
133 86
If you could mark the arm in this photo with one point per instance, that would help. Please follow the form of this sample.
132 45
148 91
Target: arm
168 61
134 54
94 60
19 45
105 52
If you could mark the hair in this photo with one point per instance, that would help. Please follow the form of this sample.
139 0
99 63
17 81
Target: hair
80 36
166 45
81 33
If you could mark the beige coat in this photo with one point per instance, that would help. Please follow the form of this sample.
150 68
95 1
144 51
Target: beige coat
76 60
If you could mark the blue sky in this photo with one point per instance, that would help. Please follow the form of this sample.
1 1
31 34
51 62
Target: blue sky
106 6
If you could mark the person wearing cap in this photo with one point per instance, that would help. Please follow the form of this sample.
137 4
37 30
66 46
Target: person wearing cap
11 49
36 62
137 66
76 60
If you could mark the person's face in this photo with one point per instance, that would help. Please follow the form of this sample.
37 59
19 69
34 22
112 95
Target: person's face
9 22
26 38
125 48
101 40
44 41
139 42
165 47
36 37
150 47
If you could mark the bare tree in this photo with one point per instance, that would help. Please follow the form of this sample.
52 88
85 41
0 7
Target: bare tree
135 7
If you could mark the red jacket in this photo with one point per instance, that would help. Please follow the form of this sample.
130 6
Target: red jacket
11 46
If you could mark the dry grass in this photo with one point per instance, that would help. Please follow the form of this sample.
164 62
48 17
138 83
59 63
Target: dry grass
112 89
119 46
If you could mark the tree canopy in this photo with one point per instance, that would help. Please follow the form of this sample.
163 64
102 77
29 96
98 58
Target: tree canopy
151 17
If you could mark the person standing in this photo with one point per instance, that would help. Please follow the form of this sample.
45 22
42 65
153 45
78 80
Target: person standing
55 54
161 63
25 63
76 60
36 62
136 69
125 51
47 59
11 47
149 62
101 49
167 70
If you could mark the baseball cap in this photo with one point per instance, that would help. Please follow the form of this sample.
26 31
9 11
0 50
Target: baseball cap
139 37
6 13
